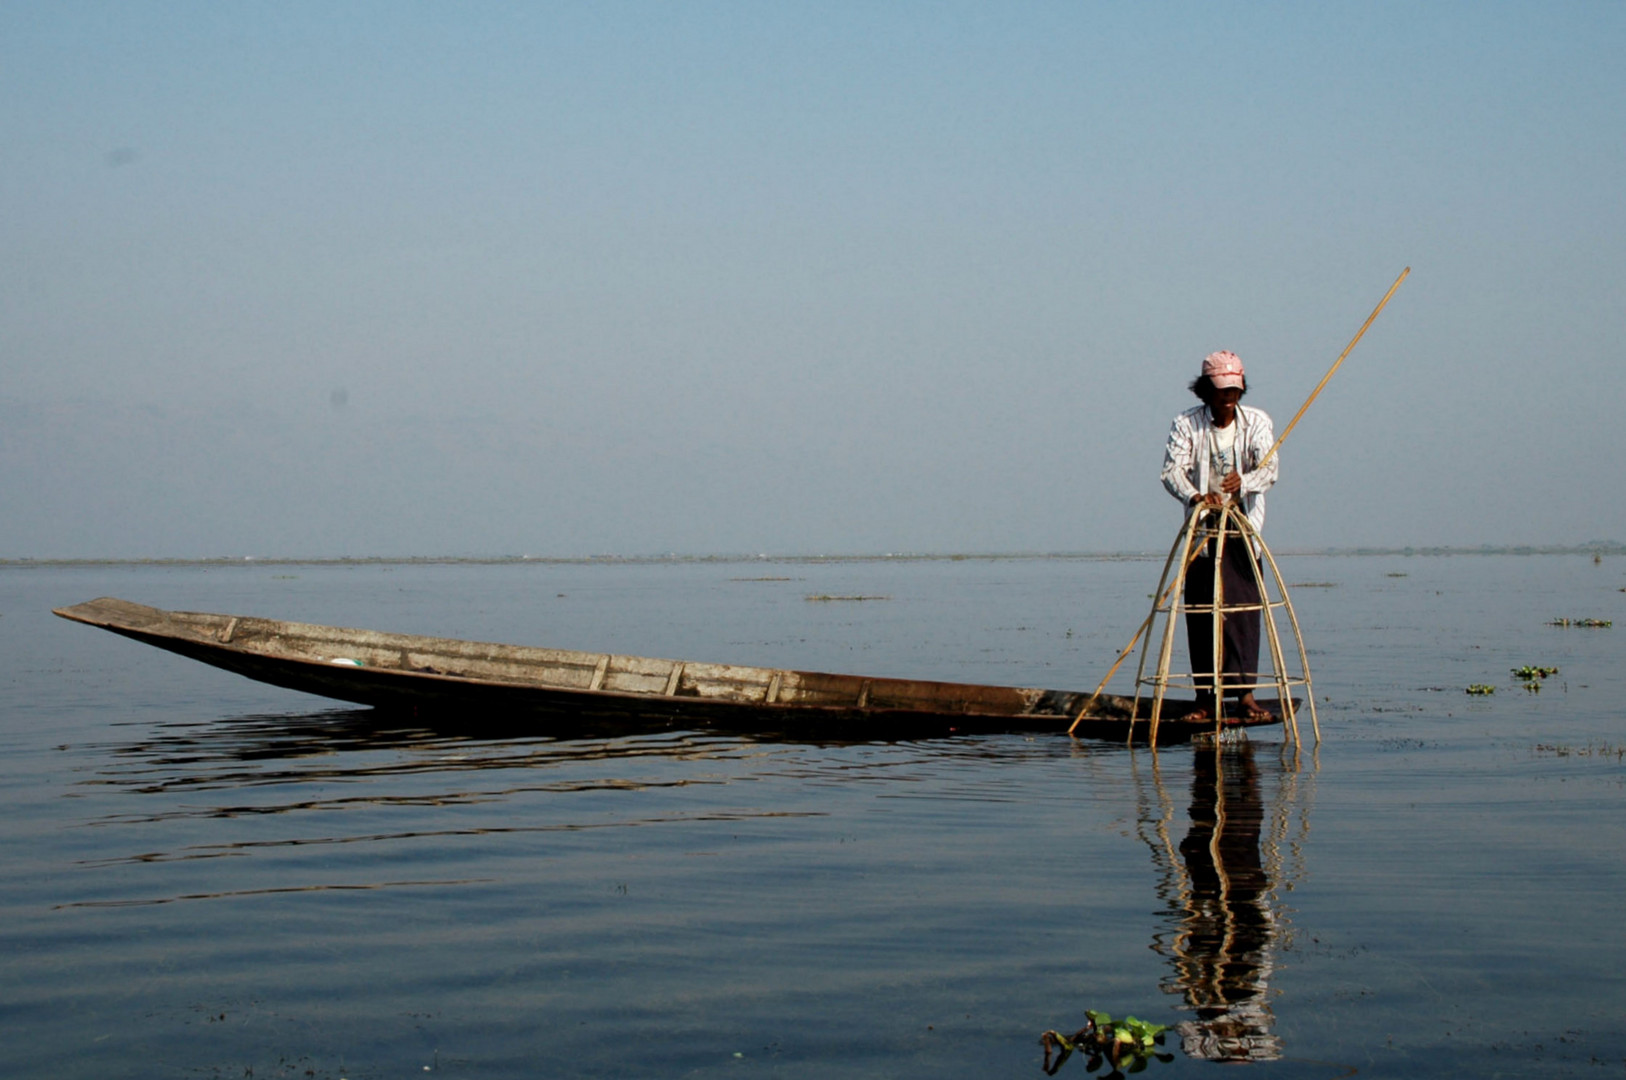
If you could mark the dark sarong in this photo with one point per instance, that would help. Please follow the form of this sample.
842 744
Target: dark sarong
1240 661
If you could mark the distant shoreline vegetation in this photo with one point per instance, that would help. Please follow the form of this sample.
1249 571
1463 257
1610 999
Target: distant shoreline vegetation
1597 548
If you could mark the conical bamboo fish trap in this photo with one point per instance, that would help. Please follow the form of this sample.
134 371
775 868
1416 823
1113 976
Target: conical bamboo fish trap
1215 525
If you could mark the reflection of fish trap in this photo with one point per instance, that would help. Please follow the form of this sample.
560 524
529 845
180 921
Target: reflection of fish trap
1207 530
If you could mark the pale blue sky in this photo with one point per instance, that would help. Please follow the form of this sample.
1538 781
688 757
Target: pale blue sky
566 279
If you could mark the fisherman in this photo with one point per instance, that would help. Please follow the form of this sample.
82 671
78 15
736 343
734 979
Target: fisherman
1211 457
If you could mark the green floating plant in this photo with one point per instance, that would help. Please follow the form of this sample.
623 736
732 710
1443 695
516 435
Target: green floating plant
1481 688
1532 676
1126 1045
1593 623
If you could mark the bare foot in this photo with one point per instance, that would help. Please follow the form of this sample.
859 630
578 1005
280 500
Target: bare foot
1253 710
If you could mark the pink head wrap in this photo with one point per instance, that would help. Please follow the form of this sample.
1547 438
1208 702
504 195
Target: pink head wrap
1223 369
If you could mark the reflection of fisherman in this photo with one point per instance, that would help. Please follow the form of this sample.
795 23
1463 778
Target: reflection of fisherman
1211 456
1225 922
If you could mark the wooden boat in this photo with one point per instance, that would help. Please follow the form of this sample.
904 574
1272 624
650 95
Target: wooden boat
447 678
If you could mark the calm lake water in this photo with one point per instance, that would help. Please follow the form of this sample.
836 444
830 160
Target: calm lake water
210 877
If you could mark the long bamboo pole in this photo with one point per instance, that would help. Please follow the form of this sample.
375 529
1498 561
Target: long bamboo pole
1325 379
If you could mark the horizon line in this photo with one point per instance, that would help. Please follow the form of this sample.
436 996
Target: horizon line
1596 547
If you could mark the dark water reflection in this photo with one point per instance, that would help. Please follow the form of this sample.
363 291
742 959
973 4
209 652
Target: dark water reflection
359 744
307 746
1221 884
383 762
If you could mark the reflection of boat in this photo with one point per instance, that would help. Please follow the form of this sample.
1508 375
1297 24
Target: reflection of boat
1220 886
447 676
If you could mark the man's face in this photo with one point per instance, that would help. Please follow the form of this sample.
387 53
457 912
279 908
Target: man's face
1222 401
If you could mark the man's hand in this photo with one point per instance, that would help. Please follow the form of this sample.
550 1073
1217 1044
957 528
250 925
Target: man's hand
1230 486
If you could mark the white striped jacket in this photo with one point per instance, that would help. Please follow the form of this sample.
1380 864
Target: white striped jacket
1185 458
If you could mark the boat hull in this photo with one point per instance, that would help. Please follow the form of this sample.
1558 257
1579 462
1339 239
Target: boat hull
445 679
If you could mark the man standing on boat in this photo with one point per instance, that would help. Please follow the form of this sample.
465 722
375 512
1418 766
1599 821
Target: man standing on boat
1211 457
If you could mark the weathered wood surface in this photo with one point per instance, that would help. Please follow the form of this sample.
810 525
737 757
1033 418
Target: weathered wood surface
449 677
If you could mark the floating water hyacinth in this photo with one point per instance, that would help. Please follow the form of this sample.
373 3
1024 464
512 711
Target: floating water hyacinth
1590 623
1532 676
1481 688
1126 1045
